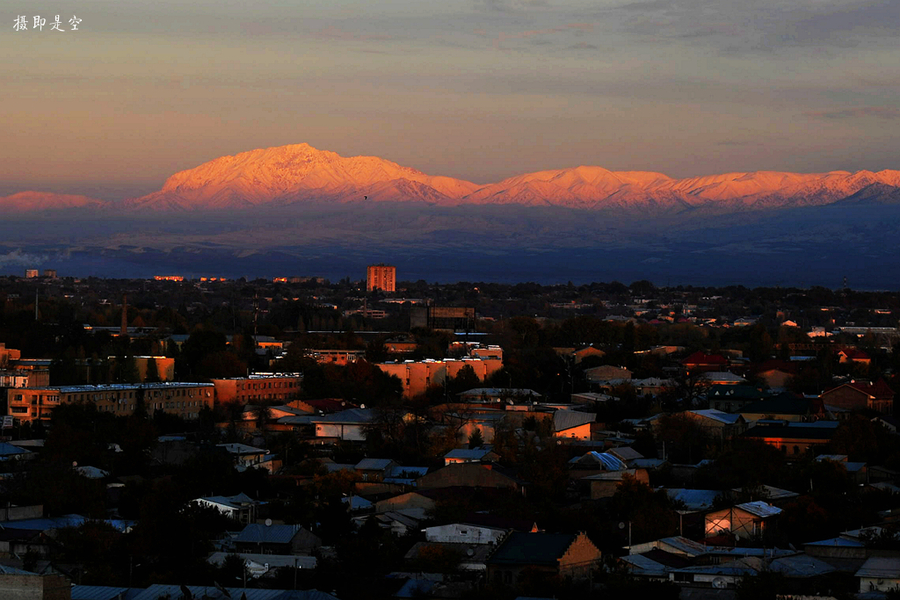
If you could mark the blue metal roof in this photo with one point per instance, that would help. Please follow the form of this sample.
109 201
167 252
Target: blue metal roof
104 592
693 499
63 522
10 450
159 592
268 534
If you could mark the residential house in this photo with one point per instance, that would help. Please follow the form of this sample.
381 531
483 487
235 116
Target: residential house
853 356
241 508
465 533
471 557
701 362
347 425
594 461
607 373
409 500
859 395
604 485
732 398
573 424
626 454
748 521
879 574
11 452
784 407
773 495
722 378
469 475
249 457
374 469
716 424
276 539
775 373
582 353
856 470
794 439
558 554
471 455
499 395
651 386
262 565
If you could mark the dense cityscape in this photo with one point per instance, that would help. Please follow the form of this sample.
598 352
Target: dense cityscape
297 438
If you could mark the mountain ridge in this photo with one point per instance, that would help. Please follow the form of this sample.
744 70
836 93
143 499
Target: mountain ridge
298 174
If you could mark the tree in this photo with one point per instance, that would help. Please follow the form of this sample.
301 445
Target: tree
649 512
152 375
262 413
683 437
475 439
221 364
125 370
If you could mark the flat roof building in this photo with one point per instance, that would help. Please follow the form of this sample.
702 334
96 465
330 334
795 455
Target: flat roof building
183 399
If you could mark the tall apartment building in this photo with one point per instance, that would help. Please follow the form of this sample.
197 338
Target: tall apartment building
381 277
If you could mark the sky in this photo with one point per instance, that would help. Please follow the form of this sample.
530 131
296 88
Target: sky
475 89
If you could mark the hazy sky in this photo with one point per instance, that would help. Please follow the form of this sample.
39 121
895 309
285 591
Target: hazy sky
476 89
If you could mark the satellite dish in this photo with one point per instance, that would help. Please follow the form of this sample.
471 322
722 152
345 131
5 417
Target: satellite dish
470 552
268 522
622 525
719 583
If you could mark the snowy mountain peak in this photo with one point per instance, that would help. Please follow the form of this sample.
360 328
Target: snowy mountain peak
301 173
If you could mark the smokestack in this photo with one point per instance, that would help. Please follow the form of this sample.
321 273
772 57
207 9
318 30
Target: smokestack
123 330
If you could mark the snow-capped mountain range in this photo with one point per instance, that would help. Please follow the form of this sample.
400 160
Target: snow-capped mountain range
298 174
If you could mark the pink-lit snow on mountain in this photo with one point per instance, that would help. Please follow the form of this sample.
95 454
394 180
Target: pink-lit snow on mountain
300 173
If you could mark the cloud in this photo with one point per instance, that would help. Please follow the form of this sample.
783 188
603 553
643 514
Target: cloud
760 25
23 259
881 112
332 32
569 28
509 5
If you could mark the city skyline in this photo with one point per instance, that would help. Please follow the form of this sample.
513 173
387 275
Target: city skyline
474 90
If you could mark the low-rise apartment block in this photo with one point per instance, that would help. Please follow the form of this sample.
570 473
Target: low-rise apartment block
183 399
280 387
